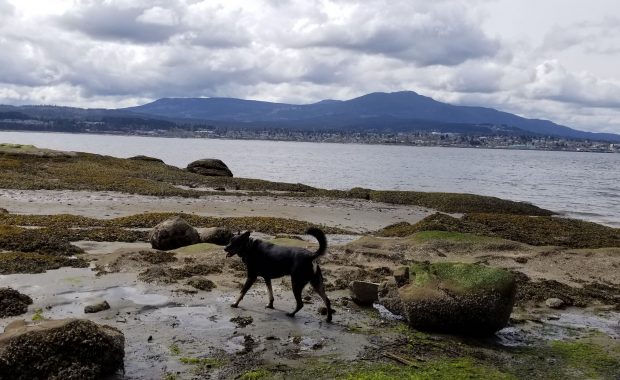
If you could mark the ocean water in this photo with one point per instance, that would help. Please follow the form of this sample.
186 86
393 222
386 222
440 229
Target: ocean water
581 185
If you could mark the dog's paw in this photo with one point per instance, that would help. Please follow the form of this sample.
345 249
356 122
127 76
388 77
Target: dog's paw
292 315
270 306
234 305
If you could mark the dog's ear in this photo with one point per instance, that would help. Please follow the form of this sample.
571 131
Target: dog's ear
246 234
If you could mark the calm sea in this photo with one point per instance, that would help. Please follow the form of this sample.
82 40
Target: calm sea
582 185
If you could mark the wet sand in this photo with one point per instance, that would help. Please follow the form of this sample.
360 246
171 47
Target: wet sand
351 214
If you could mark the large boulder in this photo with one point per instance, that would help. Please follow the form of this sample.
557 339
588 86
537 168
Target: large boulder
216 235
146 158
13 303
466 299
210 167
173 233
62 349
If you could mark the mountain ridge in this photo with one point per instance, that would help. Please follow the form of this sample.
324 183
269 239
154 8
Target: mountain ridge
377 112
402 105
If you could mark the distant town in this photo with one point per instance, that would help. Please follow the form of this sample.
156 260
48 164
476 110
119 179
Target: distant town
416 138
499 140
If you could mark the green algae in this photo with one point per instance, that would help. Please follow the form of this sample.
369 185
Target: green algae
448 369
546 230
462 276
533 230
586 359
435 222
268 225
22 262
255 374
44 241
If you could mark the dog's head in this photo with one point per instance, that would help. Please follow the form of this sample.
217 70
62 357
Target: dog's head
238 244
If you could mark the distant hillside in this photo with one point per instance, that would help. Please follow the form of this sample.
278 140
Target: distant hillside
377 112
382 111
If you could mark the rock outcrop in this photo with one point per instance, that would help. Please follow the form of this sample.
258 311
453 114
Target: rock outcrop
62 349
146 158
13 303
216 235
364 293
210 167
173 233
466 299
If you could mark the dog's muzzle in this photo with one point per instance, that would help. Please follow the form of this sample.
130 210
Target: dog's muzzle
229 253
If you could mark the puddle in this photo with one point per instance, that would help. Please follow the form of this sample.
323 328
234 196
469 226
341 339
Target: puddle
386 314
562 326
125 293
240 344
190 317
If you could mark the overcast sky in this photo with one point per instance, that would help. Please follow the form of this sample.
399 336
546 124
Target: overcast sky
552 59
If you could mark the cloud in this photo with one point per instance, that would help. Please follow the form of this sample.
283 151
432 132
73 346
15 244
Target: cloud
109 21
118 53
554 82
591 37
409 31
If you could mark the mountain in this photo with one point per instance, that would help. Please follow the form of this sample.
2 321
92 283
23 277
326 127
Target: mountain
378 111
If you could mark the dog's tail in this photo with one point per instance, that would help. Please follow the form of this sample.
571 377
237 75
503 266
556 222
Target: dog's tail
320 236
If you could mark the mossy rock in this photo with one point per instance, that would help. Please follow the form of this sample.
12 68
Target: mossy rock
546 230
210 167
465 299
146 158
435 222
63 349
13 303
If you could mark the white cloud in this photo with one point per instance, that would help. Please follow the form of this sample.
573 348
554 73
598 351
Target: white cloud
122 52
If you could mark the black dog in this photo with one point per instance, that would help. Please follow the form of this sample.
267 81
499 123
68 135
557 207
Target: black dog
270 261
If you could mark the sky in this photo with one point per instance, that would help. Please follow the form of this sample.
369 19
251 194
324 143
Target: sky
549 59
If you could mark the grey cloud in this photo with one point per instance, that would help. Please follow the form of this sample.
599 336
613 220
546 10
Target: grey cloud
421 35
110 22
593 37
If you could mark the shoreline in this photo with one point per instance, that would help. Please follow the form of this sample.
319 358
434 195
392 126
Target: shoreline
165 136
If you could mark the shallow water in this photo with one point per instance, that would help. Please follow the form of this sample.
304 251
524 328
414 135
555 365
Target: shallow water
582 185
568 324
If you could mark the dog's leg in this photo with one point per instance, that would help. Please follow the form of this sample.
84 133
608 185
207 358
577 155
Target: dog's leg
319 287
268 283
248 283
298 287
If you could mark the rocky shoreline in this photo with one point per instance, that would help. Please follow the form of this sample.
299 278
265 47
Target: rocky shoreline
75 245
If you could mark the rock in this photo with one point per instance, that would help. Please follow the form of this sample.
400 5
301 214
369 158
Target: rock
61 349
555 303
364 293
173 233
3 211
401 275
210 167
216 235
242 321
13 303
466 299
145 158
201 283
95 308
